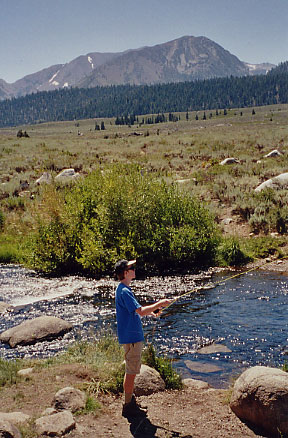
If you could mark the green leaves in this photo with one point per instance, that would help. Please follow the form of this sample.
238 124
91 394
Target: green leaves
124 212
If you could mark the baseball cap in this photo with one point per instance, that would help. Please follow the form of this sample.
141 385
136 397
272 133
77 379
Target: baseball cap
122 265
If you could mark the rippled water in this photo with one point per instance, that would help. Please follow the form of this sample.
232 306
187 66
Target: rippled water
246 314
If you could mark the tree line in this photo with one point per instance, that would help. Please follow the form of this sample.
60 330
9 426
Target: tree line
126 102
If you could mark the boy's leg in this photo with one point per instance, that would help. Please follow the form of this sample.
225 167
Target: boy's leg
132 367
128 386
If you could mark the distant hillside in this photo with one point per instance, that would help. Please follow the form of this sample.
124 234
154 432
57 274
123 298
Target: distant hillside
281 68
124 100
184 59
259 69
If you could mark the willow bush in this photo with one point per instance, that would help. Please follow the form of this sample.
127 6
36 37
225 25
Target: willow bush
122 212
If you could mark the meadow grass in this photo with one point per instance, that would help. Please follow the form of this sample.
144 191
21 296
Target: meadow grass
186 153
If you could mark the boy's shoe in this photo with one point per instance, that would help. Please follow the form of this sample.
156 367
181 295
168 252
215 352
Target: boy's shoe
132 409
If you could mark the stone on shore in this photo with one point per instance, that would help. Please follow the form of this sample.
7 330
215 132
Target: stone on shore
4 307
195 384
56 424
260 397
148 381
14 417
25 372
69 399
35 330
8 430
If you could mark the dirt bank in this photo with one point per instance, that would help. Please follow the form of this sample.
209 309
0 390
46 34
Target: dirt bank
185 413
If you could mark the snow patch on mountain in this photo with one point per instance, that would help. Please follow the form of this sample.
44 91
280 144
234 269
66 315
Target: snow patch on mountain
91 62
53 77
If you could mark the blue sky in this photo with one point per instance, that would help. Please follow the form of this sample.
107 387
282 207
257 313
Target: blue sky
35 34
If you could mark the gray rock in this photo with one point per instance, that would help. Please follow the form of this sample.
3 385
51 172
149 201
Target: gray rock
25 372
148 381
272 154
276 183
8 430
69 398
230 160
201 366
35 330
260 396
67 175
46 178
227 221
14 417
195 384
4 307
48 411
56 424
214 348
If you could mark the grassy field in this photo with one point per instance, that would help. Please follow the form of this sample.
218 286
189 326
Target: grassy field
187 153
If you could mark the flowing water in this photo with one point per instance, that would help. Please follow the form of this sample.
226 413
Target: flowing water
245 315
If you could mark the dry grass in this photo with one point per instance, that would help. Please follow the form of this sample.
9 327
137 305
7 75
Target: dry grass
188 152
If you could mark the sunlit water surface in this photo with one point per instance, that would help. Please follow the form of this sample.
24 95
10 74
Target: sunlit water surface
246 314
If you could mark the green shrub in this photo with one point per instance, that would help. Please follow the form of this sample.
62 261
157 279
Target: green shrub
265 211
2 220
123 212
91 405
164 367
8 371
261 247
9 253
230 252
104 356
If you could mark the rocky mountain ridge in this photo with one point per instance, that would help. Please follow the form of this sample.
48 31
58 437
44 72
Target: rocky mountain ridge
183 59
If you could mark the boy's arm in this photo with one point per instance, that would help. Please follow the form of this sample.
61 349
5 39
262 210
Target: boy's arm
148 310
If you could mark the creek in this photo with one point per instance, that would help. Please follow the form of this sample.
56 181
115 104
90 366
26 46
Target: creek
243 319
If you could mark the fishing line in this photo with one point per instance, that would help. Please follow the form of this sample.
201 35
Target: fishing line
212 287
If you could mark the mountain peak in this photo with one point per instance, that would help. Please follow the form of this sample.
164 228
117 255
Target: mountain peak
183 59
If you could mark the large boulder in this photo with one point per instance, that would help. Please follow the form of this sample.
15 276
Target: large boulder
35 330
67 175
260 397
56 424
278 182
14 417
148 381
69 398
8 430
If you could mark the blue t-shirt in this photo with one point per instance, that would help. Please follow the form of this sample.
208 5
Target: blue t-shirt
129 326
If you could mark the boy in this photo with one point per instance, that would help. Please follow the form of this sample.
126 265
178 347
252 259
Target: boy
129 329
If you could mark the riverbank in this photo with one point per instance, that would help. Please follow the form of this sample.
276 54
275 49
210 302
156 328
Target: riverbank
178 413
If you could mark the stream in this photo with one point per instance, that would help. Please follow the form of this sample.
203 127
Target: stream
243 319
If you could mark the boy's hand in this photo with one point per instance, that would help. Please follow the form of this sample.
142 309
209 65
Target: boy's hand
165 302
157 313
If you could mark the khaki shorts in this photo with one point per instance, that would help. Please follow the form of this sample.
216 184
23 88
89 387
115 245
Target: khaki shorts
133 357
